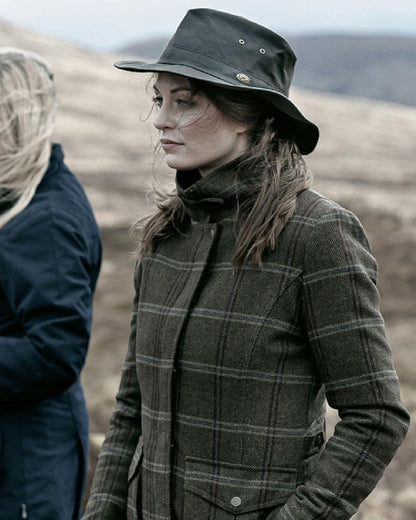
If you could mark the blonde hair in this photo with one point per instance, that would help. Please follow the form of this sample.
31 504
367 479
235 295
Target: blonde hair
27 114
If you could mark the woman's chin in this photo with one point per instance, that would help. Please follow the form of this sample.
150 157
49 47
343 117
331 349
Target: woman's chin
174 163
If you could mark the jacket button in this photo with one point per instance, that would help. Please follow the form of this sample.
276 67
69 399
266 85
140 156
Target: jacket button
212 232
319 440
236 501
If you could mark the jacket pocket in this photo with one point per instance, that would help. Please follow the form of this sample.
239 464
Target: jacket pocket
232 491
134 484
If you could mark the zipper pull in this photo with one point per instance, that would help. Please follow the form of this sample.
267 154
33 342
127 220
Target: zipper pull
24 511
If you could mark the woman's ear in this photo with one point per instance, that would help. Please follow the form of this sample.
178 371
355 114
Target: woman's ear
241 129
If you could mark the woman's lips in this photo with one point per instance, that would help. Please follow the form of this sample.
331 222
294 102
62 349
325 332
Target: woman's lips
167 144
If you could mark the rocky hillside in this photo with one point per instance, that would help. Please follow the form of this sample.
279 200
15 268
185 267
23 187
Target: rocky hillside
365 160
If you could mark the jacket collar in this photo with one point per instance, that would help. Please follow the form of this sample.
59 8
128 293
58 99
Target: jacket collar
215 196
56 158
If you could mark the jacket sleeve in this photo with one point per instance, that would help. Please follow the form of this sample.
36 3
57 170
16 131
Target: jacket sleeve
48 269
109 491
347 338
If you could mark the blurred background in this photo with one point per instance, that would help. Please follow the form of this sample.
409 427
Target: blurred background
355 77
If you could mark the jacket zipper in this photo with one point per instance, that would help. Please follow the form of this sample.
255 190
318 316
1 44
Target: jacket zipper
24 511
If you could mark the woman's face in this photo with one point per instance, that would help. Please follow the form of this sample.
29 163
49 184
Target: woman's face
193 133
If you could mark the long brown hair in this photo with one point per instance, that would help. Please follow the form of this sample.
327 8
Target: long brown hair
278 174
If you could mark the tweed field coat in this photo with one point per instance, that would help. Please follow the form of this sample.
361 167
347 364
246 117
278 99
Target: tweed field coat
220 412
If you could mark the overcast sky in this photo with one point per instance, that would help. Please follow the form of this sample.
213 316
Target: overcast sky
105 24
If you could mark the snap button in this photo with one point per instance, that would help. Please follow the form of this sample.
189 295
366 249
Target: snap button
319 440
212 232
236 501
243 78
241 41
262 51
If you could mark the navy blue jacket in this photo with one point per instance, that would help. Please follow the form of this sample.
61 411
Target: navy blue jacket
50 257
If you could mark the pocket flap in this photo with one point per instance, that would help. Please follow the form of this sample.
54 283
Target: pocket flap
237 488
136 460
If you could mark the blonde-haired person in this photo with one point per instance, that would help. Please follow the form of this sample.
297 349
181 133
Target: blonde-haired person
50 255
255 300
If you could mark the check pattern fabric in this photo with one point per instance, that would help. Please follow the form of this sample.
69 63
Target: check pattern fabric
220 412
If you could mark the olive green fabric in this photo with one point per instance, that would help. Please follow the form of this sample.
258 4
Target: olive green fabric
220 411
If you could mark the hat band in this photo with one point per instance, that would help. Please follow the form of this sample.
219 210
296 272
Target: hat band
210 65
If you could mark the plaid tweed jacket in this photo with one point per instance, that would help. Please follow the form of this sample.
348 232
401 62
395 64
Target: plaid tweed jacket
220 411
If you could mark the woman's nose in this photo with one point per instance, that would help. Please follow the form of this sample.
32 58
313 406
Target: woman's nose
164 119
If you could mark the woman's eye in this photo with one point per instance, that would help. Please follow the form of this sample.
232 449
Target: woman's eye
158 100
183 102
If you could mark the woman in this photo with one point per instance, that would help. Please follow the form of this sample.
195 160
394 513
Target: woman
255 300
50 254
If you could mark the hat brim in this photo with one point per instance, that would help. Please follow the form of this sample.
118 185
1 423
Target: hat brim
304 132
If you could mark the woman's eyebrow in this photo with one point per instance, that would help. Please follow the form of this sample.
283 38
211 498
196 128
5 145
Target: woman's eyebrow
174 90
178 89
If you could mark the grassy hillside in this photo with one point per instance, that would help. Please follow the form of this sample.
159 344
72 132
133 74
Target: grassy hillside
365 160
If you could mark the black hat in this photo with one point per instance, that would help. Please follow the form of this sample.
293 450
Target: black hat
233 52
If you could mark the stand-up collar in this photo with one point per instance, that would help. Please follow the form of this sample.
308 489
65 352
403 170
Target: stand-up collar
217 194
55 160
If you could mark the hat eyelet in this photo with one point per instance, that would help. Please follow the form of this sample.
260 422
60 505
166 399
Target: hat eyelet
262 51
241 41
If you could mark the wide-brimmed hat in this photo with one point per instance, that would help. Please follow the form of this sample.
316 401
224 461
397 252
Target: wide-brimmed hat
230 51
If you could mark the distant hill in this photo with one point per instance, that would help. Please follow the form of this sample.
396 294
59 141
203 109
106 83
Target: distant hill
378 67
147 49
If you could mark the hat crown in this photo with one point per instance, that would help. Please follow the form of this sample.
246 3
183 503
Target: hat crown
243 50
